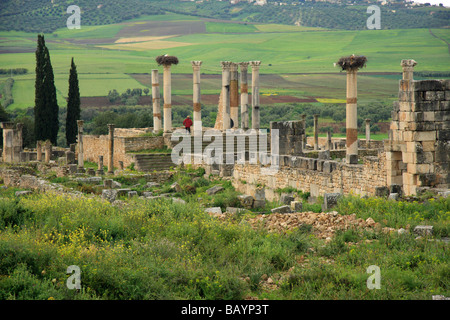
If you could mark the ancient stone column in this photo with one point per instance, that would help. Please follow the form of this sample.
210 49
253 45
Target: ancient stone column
196 97
48 151
316 132
156 99
19 135
255 93
304 135
234 95
352 117
80 144
408 69
100 171
8 139
226 124
367 133
244 95
39 150
111 149
167 99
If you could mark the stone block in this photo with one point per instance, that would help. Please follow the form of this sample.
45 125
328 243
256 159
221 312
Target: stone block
428 85
324 155
351 159
286 198
330 200
109 194
233 210
297 206
72 168
107 183
122 192
246 201
312 164
394 196
423 230
381 191
23 193
424 136
214 211
214 190
132 194
282 209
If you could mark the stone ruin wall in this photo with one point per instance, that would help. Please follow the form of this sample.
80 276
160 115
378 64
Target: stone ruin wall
95 146
315 175
418 148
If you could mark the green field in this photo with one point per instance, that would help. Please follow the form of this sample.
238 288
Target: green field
104 65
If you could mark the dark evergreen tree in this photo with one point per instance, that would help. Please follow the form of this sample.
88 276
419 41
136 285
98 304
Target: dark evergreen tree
46 104
73 106
39 96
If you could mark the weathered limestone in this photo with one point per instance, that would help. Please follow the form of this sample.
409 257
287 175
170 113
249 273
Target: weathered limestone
111 148
197 96
368 133
39 150
100 171
316 132
417 152
255 93
80 144
167 99
351 117
226 117
290 136
244 95
156 99
234 95
48 151
12 141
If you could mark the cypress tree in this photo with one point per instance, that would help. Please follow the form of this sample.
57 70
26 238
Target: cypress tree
46 104
73 106
39 97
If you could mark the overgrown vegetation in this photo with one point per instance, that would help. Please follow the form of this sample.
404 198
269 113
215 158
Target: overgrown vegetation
161 249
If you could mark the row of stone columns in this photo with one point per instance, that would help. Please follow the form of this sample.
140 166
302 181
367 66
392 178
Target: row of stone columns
230 94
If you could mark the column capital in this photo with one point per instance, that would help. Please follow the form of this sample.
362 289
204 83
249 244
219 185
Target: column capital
243 65
196 64
367 120
408 63
233 67
7 125
316 116
255 64
80 123
226 65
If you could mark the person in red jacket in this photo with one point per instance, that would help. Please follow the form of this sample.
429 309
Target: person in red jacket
187 124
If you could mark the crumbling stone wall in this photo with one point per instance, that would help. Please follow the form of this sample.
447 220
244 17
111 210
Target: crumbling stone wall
418 148
313 175
95 146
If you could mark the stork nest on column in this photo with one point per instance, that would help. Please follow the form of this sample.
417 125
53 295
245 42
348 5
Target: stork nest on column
166 60
352 62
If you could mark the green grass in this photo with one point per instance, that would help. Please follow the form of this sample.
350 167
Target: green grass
163 250
221 27
282 50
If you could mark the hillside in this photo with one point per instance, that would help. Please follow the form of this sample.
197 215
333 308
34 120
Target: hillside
46 16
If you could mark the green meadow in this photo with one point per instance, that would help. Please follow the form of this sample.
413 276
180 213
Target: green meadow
283 50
